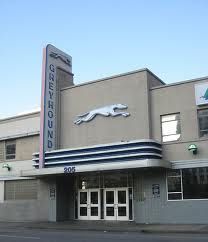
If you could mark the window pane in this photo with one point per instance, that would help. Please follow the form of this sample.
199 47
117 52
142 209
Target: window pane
118 180
10 149
203 112
121 211
83 211
171 137
203 133
94 197
122 197
174 184
94 211
174 173
83 198
109 211
110 197
9 157
174 196
130 204
10 146
171 128
203 122
195 183
88 181
170 117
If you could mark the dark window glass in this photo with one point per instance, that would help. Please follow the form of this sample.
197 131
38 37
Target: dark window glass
174 196
195 183
110 197
94 197
130 204
116 180
174 184
102 203
174 173
122 197
121 211
10 149
83 211
89 181
109 211
76 206
203 122
94 211
83 198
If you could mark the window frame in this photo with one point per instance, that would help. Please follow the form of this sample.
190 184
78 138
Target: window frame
10 142
161 127
181 183
182 198
198 110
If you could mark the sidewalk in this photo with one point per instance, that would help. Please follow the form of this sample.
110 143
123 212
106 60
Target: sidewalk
106 226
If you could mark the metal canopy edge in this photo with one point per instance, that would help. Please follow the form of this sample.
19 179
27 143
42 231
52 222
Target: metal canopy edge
99 167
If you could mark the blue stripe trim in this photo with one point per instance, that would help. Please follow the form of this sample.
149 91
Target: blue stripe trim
120 152
144 157
83 157
102 148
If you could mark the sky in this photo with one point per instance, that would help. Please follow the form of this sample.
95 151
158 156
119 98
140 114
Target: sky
104 38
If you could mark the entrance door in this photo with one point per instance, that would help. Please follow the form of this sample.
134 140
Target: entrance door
116 206
109 204
89 204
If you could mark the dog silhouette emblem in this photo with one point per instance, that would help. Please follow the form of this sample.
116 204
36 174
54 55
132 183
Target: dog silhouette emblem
111 110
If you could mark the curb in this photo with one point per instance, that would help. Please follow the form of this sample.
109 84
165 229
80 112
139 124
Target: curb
87 229
149 231
122 229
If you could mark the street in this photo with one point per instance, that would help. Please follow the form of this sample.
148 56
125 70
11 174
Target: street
84 236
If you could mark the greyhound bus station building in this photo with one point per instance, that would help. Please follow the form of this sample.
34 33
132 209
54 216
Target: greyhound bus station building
125 148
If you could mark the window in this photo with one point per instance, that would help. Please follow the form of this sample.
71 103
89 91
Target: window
20 190
191 183
203 122
174 185
195 183
171 127
10 147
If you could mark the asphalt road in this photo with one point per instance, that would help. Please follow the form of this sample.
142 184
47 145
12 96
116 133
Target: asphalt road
84 236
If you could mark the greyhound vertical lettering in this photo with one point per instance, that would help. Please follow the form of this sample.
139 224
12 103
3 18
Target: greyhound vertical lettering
50 103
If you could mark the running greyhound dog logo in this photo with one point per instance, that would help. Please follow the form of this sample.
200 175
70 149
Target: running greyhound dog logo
61 57
111 110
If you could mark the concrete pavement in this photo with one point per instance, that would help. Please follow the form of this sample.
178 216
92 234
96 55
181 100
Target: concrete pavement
107 226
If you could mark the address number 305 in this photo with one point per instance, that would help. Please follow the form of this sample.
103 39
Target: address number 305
69 169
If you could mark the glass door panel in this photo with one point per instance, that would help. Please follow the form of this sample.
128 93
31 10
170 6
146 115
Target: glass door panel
94 204
83 197
94 197
83 204
109 204
122 197
110 196
122 204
